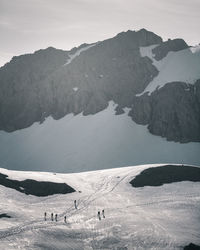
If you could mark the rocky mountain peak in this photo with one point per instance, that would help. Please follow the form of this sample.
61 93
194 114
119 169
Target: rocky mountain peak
54 82
142 37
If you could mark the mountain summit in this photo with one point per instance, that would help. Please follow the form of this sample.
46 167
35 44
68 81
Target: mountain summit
154 82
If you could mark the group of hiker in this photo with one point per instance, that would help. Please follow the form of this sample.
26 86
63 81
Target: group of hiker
76 207
99 214
56 215
52 217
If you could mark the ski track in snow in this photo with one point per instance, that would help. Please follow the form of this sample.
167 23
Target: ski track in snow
141 217
34 224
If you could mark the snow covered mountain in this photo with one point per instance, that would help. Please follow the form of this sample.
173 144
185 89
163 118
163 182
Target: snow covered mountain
100 105
137 216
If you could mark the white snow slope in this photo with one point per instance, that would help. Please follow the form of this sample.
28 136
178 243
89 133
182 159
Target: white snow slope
164 217
82 143
183 65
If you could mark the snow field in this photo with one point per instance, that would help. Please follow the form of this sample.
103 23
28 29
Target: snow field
165 217
82 143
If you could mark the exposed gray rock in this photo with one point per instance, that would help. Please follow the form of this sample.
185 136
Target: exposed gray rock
191 246
36 86
172 111
158 176
119 110
141 109
20 87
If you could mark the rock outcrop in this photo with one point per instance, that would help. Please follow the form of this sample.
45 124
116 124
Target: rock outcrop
20 87
39 85
172 111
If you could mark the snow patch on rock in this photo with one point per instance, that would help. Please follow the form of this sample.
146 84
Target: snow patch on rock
183 65
77 53
75 89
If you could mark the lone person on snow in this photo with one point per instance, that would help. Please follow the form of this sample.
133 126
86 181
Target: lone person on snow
65 219
45 216
98 215
103 213
75 205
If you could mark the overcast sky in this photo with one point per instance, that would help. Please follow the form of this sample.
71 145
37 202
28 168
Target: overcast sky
29 25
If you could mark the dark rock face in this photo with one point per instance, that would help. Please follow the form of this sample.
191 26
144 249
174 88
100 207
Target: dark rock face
171 45
166 174
37 188
20 87
111 70
192 246
176 113
141 109
119 110
36 86
172 111
4 216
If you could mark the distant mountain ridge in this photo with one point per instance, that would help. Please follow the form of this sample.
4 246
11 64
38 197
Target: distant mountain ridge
55 83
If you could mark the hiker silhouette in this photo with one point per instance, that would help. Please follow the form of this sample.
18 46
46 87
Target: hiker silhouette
99 215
